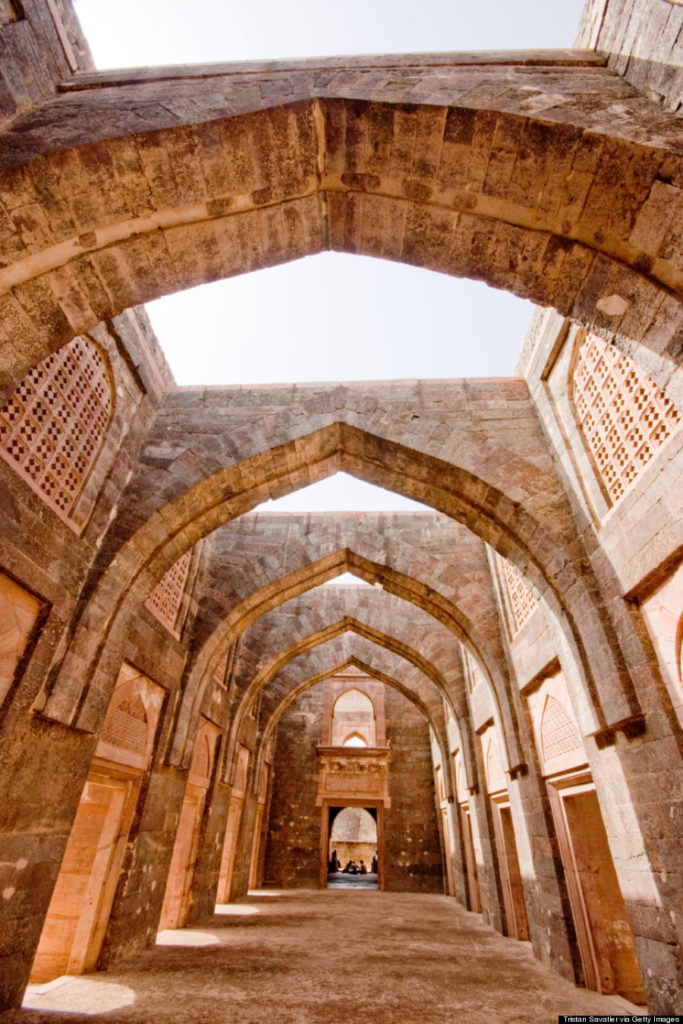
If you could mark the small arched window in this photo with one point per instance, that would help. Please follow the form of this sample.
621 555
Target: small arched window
624 417
54 424
355 740
354 715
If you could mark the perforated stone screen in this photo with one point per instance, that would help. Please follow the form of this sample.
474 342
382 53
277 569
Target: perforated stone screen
523 601
126 725
624 416
53 425
559 732
164 601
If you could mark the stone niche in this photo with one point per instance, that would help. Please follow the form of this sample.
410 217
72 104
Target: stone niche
19 614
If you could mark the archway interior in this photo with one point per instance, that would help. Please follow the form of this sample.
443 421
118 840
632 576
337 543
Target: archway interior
352 848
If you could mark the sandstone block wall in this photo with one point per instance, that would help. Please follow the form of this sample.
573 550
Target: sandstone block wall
565 187
413 860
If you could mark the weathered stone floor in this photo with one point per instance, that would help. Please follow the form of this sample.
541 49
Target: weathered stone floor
322 958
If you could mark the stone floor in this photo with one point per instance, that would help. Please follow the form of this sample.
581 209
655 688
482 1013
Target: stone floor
338 880
323 958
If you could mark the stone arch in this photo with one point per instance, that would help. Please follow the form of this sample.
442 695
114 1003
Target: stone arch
270 726
346 625
340 173
431 707
327 568
561 576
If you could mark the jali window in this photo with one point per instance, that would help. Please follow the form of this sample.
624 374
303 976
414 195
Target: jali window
164 601
624 416
523 601
54 424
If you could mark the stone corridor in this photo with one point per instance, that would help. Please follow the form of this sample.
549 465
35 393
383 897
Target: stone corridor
321 958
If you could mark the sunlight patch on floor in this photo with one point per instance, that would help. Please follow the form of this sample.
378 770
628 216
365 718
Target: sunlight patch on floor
236 909
87 995
185 937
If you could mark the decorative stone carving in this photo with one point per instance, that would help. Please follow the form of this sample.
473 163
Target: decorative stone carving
164 601
624 416
559 732
523 601
353 773
54 424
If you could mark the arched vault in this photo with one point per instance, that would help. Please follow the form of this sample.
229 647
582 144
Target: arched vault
501 483
261 547
269 726
499 169
317 653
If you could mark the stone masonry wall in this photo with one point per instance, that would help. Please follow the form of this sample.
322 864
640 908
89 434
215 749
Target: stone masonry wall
643 40
40 46
413 861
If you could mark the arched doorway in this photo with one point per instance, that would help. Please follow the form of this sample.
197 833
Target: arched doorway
352 849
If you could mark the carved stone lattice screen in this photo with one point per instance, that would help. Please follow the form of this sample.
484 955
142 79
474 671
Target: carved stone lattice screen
53 425
523 601
624 416
126 725
164 601
559 732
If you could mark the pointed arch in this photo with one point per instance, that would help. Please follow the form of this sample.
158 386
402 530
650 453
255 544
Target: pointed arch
560 574
266 206
271 724
260 602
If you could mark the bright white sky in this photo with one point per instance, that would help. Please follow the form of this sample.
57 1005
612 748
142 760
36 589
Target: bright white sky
330 317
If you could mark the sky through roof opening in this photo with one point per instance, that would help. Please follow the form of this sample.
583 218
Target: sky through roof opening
342 492
329 317
336 317
346 579
130 33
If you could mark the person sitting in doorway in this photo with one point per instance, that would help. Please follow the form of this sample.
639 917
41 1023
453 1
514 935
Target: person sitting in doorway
362 870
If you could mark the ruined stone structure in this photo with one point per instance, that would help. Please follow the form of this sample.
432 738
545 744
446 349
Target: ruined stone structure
165 651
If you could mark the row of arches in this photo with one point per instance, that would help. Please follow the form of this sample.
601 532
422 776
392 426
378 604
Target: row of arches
217 615
261 604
